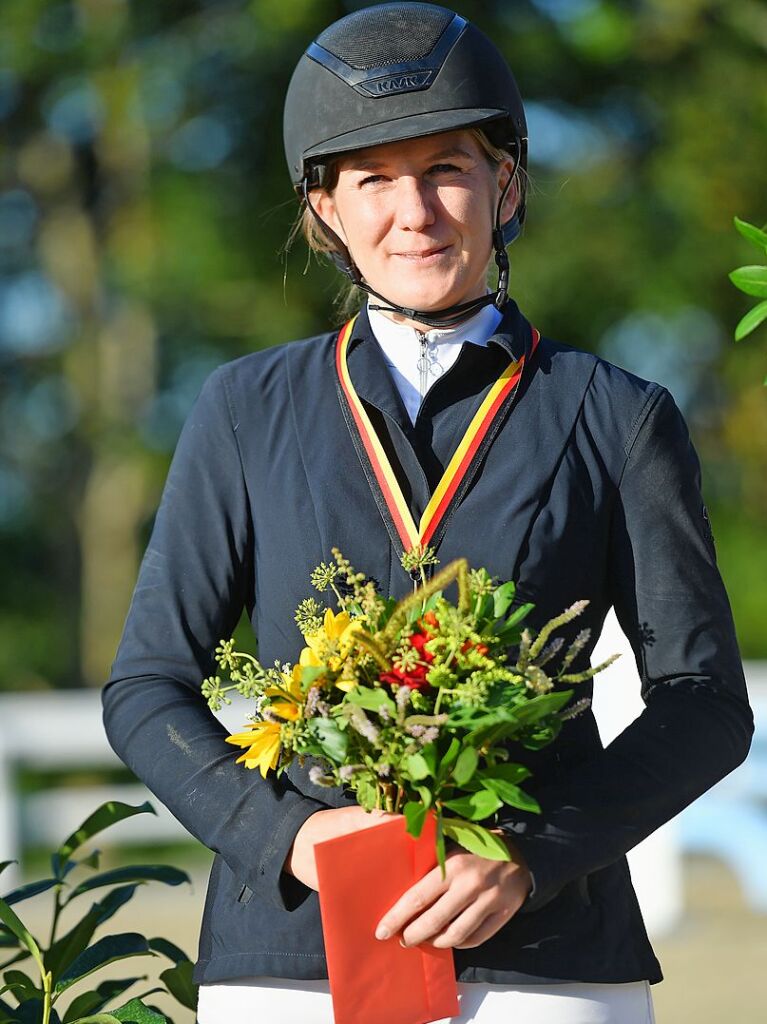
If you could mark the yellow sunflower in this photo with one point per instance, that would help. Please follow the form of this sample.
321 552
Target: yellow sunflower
263 741
331 644
290 696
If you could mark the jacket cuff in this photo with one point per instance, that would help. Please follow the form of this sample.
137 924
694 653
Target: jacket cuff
544 888
271 883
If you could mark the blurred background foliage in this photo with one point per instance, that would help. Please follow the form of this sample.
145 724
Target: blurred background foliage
144 204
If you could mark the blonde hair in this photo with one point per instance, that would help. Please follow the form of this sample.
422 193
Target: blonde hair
306 224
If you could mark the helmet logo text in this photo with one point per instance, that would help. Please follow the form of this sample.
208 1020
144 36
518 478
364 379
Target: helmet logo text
397 83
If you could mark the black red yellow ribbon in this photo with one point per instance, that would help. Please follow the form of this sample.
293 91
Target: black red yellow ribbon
460 470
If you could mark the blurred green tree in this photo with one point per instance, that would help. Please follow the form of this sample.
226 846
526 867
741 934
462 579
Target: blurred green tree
144 204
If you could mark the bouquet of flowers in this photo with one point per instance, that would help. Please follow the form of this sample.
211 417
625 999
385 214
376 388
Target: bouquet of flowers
412 703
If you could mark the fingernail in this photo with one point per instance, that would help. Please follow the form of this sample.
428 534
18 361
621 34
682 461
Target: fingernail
403 944
382 933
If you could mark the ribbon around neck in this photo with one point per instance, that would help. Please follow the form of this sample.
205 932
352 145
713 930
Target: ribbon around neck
460 470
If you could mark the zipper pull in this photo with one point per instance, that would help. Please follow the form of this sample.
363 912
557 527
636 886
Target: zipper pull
423 364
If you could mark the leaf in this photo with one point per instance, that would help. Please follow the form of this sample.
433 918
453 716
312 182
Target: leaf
9 918
105 951
365 790
542 736
751 232
136 873
522 612
31 1012
509 772
136 1012
169 949
476 839
371 699
179 982
751 321
96 999
448 758
503 596
426 795
441 845
751 280
415 816
540 706
18 980
465 766
512 795
7 939
98 1018
417 767
311 673
25 892
332 740
108 814
475 806
64 950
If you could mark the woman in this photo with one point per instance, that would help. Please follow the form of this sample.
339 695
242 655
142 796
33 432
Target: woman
406 140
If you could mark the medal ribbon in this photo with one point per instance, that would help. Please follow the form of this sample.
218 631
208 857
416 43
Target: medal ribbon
460 470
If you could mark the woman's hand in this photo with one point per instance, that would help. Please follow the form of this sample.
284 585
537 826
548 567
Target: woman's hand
322 825
476 898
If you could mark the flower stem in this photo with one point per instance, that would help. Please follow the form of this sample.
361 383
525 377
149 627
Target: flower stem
47 985
56 912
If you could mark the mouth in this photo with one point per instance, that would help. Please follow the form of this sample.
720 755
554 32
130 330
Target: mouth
423 255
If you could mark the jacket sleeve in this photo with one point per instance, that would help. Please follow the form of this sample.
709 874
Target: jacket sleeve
672 605
195 579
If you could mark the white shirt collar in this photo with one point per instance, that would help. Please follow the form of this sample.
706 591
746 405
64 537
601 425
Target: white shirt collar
402 350
394 337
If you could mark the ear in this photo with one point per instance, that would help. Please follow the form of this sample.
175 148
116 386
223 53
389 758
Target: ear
325 205
505 170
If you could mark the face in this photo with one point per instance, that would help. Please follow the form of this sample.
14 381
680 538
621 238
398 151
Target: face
417 217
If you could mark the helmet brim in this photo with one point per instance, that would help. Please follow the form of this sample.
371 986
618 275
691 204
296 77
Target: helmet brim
410 127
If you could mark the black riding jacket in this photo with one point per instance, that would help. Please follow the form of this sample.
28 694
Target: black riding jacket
591 489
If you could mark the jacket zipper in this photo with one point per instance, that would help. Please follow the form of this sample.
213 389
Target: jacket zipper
423 364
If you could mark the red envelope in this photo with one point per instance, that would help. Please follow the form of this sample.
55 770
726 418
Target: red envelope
361 876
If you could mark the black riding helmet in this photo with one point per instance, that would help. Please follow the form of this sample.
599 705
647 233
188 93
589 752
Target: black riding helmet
401 71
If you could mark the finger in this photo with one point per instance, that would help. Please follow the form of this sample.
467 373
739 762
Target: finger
464 925
437 919
487 929
415 900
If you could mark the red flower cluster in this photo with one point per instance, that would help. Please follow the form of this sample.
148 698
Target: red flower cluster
416 677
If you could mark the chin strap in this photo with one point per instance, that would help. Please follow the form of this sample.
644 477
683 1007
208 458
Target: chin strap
451 315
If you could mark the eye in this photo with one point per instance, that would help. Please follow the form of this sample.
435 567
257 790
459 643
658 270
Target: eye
444 169
371 179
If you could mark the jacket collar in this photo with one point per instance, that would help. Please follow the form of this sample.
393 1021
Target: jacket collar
372 377
512 333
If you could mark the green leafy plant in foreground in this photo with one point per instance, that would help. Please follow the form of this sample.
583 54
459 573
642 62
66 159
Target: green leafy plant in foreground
69 957
752 280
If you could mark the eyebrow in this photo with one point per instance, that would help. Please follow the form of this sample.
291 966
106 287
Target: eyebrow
441 154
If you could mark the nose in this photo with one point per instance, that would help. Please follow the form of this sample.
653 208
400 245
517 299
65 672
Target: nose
415 208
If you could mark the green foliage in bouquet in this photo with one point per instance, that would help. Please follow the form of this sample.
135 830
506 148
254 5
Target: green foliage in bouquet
412 704
72 956
752 280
